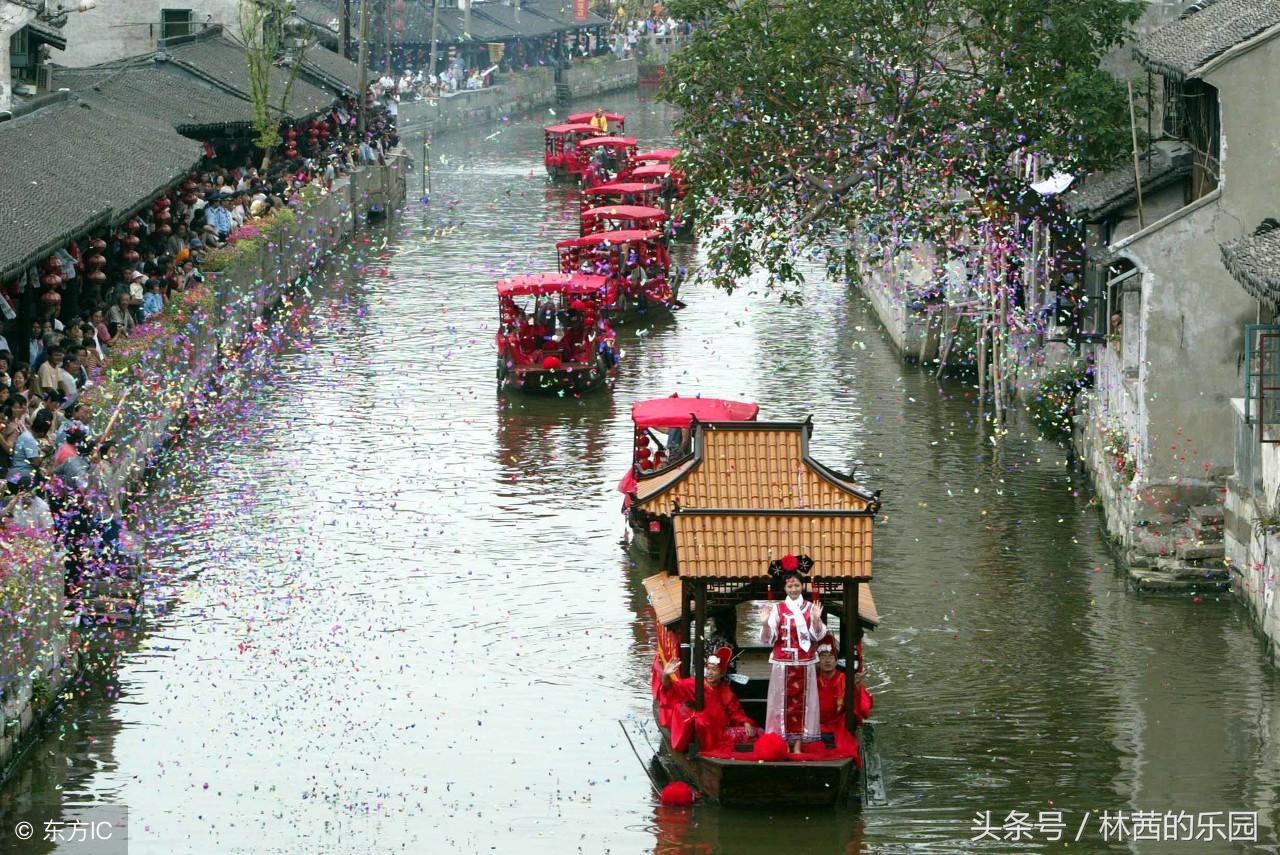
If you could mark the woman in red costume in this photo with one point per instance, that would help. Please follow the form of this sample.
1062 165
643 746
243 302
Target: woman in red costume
793 627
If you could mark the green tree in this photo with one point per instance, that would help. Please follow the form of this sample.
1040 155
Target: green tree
271 33
809 125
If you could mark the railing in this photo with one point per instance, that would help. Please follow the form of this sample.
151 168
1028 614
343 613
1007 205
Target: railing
1262 379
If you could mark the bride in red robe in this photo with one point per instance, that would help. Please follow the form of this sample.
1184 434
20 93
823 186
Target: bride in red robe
793 627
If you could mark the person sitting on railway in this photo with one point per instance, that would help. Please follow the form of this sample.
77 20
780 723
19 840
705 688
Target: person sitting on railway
721 724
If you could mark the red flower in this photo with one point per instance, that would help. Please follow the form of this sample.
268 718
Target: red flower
790 562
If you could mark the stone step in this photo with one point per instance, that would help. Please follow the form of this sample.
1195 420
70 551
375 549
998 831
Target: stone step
1207 515
1193 531
1192 551
1156 581
1151 542
1180 569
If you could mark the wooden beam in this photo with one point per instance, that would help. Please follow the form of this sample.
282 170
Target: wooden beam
848 628
686 627
700 644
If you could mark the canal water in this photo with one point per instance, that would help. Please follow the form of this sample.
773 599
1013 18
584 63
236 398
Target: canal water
393 611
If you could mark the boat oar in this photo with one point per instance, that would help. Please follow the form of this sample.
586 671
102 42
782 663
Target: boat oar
124 396
656 789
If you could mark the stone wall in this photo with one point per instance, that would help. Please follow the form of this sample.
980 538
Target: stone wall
37 637
123 28
512 93
597 76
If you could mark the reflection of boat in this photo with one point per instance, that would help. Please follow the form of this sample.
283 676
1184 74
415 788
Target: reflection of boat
652 456
747 494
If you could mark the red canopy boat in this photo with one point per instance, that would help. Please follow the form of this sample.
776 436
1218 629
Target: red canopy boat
617 153
617 121
634 260
626 217
657 173
672 416
660 155
621 193
561 155
553 335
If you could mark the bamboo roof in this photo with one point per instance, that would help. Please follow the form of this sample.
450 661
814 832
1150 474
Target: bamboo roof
740 544
756 465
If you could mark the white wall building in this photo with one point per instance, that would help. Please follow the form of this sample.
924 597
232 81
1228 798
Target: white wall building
122 28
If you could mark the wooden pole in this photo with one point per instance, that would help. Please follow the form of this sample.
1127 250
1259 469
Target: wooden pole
363 84
344 29
686 621
1137 171
700 645
435 29
848 627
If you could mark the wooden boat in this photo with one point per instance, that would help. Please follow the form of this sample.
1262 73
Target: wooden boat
662 434
561 154
621 193
610 218
611 254
613 152
655 173
617 121
553 335
749 492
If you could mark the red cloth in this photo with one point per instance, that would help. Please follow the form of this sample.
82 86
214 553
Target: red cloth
721 711
786 647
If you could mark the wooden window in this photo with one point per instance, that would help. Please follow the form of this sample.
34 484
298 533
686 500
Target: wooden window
175 23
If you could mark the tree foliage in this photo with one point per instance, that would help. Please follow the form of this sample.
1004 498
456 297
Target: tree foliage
808 122
263 30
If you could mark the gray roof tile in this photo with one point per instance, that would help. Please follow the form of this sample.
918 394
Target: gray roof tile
1106 192
222 62
332 70
1255 263
62 189
1182 46
160 91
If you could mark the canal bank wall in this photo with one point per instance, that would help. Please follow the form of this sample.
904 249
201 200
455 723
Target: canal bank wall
154 380
517 93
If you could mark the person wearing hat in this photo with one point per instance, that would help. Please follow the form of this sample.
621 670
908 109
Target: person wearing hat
721 724
793 627
831 686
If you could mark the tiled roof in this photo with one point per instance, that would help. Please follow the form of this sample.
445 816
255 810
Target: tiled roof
756 465
64 188
1255 263
1106 192
1180 47
161 91
331 69
741 545
320 13
222 63
561 12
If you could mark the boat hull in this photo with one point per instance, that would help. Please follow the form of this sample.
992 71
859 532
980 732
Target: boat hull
743 783
556 381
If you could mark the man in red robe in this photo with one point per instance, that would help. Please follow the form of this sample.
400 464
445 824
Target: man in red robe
831 685
722 722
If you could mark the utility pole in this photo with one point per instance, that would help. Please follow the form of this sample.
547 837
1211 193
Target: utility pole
386 36
435 28
344 29
364 64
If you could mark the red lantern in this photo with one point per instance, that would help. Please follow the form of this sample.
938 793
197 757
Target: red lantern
164 229
129 257
96 276
98 245
399 25
96 261
51 298
132 226
187 186
162 216
131 241
292 134
51 280
400 5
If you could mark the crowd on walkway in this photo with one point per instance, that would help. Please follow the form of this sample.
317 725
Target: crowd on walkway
114 285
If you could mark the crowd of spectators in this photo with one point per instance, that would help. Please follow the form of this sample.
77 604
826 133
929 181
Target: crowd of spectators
48 452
